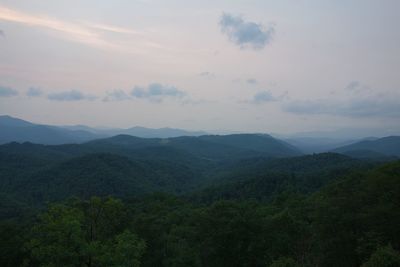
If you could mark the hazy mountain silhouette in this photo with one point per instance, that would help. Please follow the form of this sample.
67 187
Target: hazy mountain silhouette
387 146
17 130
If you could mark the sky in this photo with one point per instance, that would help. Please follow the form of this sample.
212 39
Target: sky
279 66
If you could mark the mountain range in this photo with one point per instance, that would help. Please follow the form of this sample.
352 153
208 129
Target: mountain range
17 130
386 146
220 189
197 142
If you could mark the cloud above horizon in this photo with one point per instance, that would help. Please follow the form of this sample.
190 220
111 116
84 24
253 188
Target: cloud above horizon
358 100
116 95
88 33
156 92
246 34
207 74
2 34
7 91
72 95
34 92
252 81
264 97
373 106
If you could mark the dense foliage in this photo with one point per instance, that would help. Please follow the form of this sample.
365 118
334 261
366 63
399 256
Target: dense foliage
78 206
126 166
386 146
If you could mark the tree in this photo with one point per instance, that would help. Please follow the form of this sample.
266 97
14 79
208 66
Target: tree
384 257
85 233
284 262
58 238
125 250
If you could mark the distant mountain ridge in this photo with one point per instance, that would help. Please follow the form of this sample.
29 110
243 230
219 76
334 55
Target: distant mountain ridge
138 131
8 121
125 165
144 132
197 143
17 130
209 146
386 146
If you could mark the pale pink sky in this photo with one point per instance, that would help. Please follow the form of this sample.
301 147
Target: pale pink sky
265 66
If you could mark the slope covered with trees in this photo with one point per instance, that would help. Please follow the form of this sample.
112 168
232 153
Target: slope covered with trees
386 146
195 201
17 130
352 221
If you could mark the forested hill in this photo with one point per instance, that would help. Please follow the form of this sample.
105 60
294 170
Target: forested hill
210 146
382 147
126 166
352 221
263 179
18 130
235 200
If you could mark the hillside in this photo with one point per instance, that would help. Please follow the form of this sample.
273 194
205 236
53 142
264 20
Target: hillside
123 166
257 142
209 147
151 133
311 145
386 146
101 175
351 221
264 179
16 130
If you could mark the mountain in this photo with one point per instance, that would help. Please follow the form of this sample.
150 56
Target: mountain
208 147
263 143
125 165
386 146
342 133
102 174
310 145
137 131
152 133
8 121
263 179
17 130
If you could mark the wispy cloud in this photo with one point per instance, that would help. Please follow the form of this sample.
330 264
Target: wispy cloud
7 91
116 95
72 95
371 106
252 81
2 34
91 34
156 92
353 85
246 34
110 28
357 87
74 31
34 92
207 74
264 97
357 100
